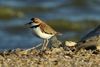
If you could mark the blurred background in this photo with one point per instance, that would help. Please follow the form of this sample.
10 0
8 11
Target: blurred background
73 18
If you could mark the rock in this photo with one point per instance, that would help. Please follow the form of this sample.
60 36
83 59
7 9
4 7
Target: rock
57 50
55 42
70 43
92 39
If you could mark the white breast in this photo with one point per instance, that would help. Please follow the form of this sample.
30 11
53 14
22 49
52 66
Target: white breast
41 34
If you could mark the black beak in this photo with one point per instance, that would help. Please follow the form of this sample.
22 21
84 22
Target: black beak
28 23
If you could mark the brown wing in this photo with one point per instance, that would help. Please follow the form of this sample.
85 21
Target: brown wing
47 29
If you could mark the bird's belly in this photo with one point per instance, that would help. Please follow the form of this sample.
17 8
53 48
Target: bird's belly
41 34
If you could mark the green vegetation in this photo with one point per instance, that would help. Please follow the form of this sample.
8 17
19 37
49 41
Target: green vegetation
79 26
9 13
80 3
33 9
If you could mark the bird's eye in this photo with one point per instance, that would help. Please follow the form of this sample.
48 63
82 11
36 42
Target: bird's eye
32 19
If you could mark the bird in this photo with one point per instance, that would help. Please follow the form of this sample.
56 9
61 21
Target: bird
42 30
90 39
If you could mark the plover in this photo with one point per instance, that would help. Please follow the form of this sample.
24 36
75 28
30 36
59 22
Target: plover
42 30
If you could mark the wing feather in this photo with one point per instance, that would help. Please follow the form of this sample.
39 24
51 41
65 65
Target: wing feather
47 29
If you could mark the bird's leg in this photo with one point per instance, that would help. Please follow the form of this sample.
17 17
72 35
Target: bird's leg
45 44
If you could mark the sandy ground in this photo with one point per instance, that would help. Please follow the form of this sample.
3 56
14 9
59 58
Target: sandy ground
54 57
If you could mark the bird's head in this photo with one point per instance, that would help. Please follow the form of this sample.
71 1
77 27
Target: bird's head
34 21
